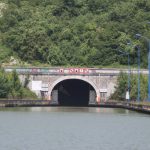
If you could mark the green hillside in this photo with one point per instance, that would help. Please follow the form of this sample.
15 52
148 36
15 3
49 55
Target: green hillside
74 32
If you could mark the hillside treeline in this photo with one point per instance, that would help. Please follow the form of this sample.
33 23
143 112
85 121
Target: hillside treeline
75 32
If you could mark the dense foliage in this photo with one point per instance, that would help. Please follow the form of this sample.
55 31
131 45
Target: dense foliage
10 87
122 87
74 32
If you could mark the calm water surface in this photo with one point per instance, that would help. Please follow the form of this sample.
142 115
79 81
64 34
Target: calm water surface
63 128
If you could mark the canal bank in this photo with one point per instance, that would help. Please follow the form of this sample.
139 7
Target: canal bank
133 107
44 103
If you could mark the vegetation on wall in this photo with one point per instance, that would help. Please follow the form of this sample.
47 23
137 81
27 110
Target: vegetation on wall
74 32
122 87
10 87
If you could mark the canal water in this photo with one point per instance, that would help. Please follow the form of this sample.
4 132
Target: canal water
68 128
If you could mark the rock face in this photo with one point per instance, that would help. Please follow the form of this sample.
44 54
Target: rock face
2 7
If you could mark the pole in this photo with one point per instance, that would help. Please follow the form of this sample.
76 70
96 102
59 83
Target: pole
148 40
138 96
149 70
129 70
129 73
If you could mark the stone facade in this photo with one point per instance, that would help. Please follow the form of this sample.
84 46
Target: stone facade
44 80
104 85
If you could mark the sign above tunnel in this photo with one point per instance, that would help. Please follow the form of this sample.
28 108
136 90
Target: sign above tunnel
74 71
64 71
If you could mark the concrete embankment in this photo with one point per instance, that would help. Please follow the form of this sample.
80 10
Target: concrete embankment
130 106
138 108
44 103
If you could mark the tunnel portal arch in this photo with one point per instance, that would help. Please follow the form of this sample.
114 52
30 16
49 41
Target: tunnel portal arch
61 79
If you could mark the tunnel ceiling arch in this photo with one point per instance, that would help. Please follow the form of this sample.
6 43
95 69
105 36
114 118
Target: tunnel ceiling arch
51 87
73 92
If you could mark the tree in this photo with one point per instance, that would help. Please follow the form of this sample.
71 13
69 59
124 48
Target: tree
4 84
54 31
122 87
16 87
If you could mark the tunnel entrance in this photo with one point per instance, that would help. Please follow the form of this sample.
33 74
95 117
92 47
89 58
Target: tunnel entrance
73 92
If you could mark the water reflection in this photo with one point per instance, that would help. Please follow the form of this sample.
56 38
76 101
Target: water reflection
69 109
72 128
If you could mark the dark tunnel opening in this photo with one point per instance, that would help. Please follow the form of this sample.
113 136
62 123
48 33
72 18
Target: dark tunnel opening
73 92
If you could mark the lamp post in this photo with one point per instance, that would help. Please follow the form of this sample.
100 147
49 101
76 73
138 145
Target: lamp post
148 40
129 72
138 53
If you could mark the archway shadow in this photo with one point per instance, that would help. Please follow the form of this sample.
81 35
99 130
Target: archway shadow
73 92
